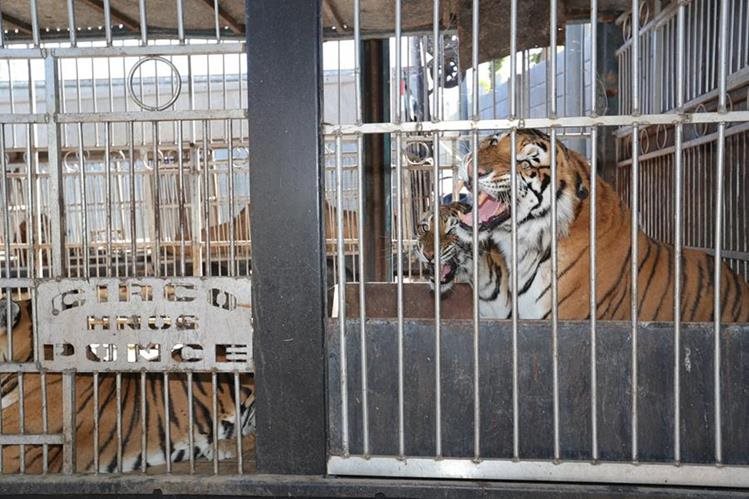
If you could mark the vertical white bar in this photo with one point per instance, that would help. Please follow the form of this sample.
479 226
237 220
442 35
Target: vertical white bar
107 22
96 423
436 46
214 420
181 202
71 23
143 22
554 297
133 232
361 256
514 284
635 174
190 423
635 81
56 214
45 421
475 233
143 423
84 202
108 197
21 420
206 195
437 293
592 251
232 228
34 24
68 422
399 228
216 20
341 295
156 200
6 240
181 21
167 426
238 423
721 152
552 61
678 189
118 402
513 62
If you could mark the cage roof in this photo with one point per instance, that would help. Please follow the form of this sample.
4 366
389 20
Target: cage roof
377 19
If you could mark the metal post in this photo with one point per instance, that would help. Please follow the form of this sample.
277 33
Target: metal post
375 161
56 205
286 154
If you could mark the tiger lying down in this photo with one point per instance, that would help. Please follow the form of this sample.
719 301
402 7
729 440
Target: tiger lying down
655 281
131 417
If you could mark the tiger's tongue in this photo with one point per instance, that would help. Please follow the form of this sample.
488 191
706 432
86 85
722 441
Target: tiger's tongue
445 271
488 207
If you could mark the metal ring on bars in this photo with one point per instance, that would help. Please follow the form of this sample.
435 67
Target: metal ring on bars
415 152
160 154
644 13
644 141
240 155
700 128
602 102
74 166
661 143
177 88
119 158
626 29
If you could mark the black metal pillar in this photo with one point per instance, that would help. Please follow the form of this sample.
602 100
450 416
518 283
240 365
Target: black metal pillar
376 161
285 93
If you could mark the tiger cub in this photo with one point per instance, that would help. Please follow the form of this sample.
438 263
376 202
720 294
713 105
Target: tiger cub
456 260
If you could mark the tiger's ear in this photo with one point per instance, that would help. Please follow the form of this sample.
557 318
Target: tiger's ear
15 312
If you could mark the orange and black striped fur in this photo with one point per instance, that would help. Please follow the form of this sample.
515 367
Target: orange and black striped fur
456 257
655 278
132 457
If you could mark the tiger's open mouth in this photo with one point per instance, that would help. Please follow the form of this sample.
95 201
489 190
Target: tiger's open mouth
447 275
492 212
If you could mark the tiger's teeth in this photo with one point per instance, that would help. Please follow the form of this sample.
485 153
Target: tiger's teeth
482 197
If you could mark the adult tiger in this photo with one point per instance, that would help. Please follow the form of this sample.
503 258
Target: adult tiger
456 260
131 417
655 281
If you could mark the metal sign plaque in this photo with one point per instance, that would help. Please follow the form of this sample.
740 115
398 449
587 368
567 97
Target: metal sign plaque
150 324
